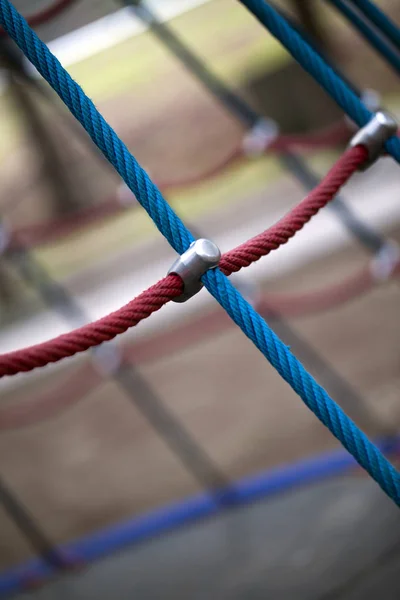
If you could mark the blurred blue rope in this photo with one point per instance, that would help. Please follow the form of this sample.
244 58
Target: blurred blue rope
380 19
314 64
369 33
148 195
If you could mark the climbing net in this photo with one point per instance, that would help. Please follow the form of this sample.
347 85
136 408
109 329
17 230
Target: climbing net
199 261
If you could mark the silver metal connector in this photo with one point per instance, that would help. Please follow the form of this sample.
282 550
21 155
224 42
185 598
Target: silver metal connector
260 137
374 135
201 256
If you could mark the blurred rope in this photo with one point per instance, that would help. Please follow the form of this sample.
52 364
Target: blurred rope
380 19
47 14
126 375
381 45
288 158
314 64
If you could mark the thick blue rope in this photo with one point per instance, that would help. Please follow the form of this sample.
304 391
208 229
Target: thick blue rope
369 33
314 64
314 396
380 19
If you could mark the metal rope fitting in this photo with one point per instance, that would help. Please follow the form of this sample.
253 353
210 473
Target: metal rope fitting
201 256
260 137
373 136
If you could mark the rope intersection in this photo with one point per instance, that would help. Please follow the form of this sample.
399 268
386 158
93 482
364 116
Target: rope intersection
170 287
169 224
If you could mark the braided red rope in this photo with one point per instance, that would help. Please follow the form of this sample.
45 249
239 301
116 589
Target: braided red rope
171 286
95 333
61 398
46 14
280 233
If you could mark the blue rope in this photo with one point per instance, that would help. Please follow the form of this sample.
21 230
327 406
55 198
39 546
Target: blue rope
380 19
313 395
314 64
369 33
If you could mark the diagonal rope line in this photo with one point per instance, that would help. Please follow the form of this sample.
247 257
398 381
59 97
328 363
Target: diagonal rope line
312 394
315 65
381 45
380 20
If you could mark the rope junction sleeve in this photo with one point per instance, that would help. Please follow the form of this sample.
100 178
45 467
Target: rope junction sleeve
87 378
255 328
155 297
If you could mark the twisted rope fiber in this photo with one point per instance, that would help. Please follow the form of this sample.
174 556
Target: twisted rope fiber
154 298
381 45
315 65
312 394
380 19
170 225
60 398
95 333
294 220
99 130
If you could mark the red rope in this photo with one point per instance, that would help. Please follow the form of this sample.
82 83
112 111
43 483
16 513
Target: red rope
60 398
95 333
280 233
171 286
42 16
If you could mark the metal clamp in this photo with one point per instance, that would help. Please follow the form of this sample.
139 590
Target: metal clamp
260 137
385 261
374 135
201 256
106 359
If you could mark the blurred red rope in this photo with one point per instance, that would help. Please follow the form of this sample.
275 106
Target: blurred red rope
171 286
43 233
47 14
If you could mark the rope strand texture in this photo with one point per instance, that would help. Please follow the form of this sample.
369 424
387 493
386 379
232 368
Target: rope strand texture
313 395
105 138
118 322
92 334
61 397
315 65
292 222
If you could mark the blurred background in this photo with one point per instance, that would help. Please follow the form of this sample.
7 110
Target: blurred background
184 402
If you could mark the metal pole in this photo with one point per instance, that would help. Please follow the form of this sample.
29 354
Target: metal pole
30 528
195 65
64 196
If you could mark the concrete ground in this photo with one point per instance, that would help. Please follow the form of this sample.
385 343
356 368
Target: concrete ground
335 541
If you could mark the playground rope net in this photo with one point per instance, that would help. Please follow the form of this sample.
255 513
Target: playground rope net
180 238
